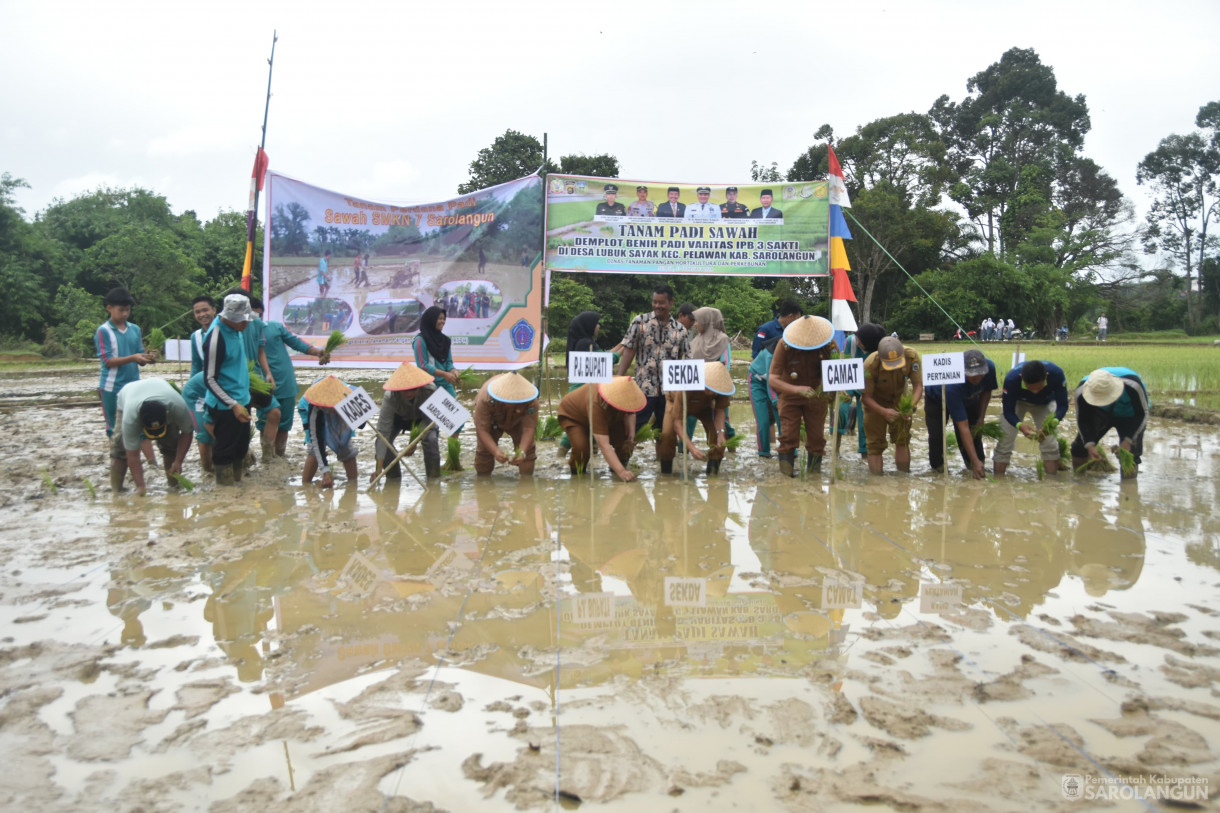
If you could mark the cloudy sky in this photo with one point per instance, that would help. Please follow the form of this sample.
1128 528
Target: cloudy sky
392 100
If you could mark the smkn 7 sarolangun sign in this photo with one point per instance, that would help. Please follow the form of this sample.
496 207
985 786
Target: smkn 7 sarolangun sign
337 262
617 225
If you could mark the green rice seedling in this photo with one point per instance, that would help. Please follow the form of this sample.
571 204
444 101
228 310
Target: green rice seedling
1065 448
48 483
646 432
988 429
550 428
182 481
89 487
416 429
906 408
1126 461
177 389
468 378
453 458
1050 428
1103 465
333 341
732 443
1041 469
156 340
258 384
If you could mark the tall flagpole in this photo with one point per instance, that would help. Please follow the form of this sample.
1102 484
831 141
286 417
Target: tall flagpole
256 179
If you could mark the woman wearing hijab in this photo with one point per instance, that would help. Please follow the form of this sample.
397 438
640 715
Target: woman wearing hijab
432 350
710 343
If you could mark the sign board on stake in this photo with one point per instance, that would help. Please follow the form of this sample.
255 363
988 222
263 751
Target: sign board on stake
444 411
841 594
1017 358
590 368
590 608
682 374
944 368
682 592
842 374
935 597
357 408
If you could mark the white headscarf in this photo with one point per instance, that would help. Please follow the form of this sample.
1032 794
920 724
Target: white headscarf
712 343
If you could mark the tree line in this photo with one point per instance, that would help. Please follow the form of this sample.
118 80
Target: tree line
984 205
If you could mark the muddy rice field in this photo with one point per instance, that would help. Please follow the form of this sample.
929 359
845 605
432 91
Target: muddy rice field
745 642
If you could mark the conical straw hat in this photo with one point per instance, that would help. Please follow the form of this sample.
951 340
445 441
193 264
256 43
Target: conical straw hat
717 378
407 377
327 392
809 333
623 394
1102 388
511 388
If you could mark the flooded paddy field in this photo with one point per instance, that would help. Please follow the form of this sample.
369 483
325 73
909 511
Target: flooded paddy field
743 642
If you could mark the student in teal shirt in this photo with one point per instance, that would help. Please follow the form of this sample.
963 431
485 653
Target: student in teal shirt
120 348
275 421
432 351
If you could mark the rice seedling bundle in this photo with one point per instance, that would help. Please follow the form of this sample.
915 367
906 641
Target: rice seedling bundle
453 458
258 384
333 341
550 428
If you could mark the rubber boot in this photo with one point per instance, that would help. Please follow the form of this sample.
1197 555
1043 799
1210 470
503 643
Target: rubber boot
815 462
224 475
205 457
787 461
713 467
667 467
238 471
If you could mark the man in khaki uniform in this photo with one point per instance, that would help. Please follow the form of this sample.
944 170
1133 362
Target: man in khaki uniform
886 373
506 403
796 374
710 406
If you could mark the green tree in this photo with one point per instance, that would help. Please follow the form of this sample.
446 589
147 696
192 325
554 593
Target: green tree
1014 116
1182 173
148 262
289 230
598 166
760 173
511 156
24 262
221 249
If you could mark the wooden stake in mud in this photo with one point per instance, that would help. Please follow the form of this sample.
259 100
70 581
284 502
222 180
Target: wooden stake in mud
944 440
404 453
390 446
834 448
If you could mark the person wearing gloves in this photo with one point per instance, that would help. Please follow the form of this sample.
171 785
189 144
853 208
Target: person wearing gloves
325 429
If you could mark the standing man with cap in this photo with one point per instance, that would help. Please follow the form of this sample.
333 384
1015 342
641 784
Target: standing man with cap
120 348
789 311
326 429
613 429
1109 398
703 209
710 406
641 206
671 207
886 374
608 206
731 209
227 379
765 210
651 338
1029 389
967 406
401 409
149 410
796 374
506 403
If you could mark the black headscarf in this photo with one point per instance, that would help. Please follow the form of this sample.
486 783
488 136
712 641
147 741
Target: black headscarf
869 336
580 334
438 343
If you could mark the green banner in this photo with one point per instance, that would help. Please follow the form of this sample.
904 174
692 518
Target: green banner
614 225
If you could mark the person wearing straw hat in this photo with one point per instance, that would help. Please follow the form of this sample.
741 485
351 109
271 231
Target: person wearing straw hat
227 379
886 373
614 410
505 404
796 374
1109 398
325 428
149 410
966 405
401 409
709 406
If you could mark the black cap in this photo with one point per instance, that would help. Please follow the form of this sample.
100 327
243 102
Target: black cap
119 296
729 189
610 189
153 416
673 189
766 192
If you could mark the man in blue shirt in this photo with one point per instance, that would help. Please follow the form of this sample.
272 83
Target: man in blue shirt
1110 398
120 348
967 406
789 311
227 379
1029 389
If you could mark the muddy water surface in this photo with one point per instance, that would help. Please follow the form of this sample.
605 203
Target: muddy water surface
748 642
